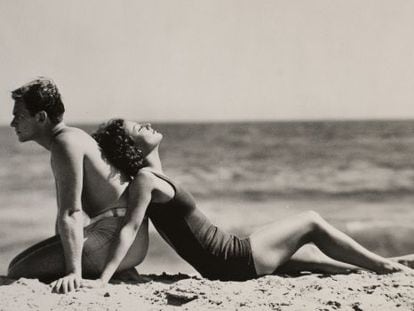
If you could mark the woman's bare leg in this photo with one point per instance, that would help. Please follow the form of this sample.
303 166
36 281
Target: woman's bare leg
275 244
310 258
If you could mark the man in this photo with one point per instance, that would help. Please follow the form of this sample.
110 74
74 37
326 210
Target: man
85 183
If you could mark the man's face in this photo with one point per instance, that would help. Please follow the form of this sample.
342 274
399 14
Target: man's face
25 125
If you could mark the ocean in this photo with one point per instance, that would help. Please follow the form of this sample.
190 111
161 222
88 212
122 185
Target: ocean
357 174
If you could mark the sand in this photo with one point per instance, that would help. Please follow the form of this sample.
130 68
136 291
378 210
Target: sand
361 291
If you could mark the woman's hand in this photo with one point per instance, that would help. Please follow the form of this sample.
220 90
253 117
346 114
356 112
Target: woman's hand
66 284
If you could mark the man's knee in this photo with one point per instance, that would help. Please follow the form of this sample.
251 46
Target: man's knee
20 266
14 271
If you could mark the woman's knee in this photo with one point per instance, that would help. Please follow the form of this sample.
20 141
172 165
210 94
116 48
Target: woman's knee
310 216
313 221
318 227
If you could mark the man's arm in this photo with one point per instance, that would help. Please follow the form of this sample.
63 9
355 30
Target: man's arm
67 165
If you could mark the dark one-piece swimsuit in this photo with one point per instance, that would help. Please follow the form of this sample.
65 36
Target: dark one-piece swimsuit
215 254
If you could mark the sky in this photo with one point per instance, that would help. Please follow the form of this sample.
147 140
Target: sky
213 60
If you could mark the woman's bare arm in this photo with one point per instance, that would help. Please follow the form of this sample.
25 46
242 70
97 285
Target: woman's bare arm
140 195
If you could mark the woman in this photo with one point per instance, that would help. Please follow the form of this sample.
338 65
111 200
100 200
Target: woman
304 242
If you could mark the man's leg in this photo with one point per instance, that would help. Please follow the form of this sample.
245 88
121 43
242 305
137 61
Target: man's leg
44 261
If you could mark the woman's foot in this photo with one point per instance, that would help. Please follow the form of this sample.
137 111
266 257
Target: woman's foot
392 266
407 260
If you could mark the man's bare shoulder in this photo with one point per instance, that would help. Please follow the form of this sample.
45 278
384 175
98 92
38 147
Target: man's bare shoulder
72 140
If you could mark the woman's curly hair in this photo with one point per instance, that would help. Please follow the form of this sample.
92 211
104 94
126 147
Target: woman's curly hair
119 148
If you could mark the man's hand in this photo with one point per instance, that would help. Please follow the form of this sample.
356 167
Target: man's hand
66 284
92 283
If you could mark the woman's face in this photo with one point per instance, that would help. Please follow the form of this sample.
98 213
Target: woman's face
143 135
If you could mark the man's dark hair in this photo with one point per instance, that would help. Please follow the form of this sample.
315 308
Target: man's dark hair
41 94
